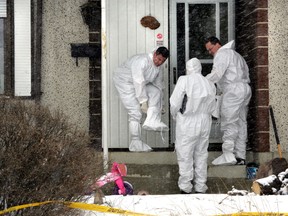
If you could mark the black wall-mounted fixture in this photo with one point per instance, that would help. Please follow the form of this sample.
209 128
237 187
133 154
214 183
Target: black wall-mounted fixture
85 50
91 14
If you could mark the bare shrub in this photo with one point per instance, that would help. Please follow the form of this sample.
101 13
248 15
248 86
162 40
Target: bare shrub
42 158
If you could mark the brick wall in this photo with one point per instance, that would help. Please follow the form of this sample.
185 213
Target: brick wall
252 42
95 124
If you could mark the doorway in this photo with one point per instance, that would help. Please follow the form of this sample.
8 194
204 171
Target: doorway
191 21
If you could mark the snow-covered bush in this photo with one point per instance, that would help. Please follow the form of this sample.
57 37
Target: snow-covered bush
42 158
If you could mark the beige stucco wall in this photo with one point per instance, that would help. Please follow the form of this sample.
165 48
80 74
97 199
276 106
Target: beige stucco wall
278 69
64 85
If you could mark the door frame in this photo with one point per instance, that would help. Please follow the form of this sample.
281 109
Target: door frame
173 43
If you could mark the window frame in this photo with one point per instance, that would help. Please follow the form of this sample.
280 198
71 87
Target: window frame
231 20
9 50
174 66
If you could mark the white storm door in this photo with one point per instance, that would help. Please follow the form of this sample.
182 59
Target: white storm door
126 37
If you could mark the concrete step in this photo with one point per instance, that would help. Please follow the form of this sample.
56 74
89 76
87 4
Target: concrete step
142 164
163 179
157 172
227 171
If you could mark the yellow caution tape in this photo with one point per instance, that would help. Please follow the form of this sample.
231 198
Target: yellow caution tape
77 205
255 214
16 208
106 209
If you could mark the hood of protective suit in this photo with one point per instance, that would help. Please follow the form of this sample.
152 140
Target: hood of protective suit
200 92
193 66
229 45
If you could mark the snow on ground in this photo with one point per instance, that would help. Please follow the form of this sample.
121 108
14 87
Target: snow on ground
194 204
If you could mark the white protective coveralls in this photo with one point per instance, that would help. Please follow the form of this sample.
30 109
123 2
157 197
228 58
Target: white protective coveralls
231 74
138 80
193 126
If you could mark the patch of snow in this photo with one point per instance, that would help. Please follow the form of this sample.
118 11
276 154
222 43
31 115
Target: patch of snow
193 204
267 180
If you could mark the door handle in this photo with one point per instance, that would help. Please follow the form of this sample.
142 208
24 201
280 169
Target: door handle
174 75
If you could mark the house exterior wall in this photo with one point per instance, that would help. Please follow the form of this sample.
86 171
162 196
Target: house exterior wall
65 86
261 33
278 67
260 38
252 43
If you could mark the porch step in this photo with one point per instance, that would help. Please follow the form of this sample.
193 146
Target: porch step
171 171
238 171
143 164
157 172
169 158
163 179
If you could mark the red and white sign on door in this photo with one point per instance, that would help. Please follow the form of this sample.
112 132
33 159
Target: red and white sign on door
159 41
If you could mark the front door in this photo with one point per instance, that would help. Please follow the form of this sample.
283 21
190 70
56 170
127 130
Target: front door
191 21
125 38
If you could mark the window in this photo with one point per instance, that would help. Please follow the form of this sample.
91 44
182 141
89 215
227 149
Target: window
212 19
20 47
196 20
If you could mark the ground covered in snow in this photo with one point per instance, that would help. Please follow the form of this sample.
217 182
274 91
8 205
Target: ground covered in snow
194 204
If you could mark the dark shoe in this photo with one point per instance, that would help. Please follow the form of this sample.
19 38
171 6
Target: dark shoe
196 192
184 192
199 192
240 161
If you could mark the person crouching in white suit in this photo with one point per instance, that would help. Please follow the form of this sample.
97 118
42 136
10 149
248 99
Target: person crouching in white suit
139 84
193 124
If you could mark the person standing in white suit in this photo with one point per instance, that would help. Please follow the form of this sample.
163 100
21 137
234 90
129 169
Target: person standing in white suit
139 84
231 74
193 124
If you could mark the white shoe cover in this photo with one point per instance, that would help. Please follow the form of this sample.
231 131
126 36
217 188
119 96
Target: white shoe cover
155 126
153 120
226 158
139 146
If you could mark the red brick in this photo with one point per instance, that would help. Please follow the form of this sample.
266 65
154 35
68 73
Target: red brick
262 81
261 56
261 15
262 97
261 29
261 41
262 3
262 141
262 118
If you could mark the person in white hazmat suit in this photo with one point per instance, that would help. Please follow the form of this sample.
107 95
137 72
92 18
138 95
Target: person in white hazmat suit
231 74
140 85
193 124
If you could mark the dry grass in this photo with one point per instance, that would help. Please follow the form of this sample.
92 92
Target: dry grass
42 158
